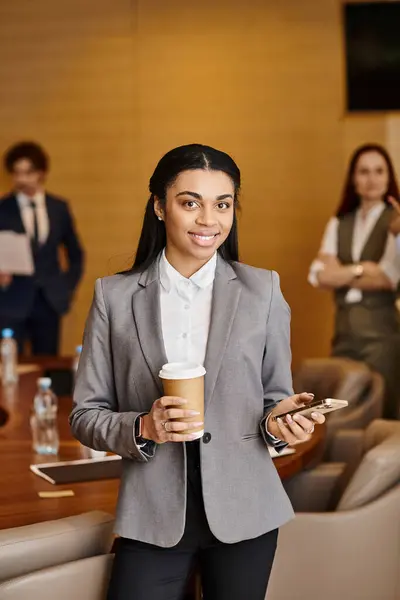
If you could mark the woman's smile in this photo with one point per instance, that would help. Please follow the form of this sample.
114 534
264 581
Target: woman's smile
203 238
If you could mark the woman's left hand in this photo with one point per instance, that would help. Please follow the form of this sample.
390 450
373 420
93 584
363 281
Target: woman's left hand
297 429
394 226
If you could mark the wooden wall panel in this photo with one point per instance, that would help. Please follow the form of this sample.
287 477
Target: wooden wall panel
109 86
262 81
67 73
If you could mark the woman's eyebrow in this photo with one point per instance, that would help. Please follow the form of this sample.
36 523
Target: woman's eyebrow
199 197
224 197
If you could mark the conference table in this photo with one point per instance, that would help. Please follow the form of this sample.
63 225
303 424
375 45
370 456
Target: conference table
20 503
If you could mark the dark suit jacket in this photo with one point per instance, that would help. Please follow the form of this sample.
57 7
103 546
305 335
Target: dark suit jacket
57 285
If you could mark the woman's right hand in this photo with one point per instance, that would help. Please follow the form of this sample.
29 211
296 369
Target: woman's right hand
394 226
160 426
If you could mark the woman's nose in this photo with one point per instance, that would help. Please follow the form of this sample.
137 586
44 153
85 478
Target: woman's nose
206 218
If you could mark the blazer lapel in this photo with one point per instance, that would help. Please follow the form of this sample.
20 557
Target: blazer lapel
52 216
226 295
15 214
147 317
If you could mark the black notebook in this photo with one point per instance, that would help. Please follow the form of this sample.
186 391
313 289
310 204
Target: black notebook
77 471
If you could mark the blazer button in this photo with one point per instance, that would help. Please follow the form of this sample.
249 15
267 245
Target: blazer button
207 437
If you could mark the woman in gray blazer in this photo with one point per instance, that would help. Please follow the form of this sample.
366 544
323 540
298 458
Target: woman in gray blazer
219 500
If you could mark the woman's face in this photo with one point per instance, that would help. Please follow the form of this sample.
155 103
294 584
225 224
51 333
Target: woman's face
198 213
371 176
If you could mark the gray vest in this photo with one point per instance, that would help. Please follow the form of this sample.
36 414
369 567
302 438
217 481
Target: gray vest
372 251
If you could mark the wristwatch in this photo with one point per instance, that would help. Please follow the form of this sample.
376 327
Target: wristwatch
146 447
139 431
358 271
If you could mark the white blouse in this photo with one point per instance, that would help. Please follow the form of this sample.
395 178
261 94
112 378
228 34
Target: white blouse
389 263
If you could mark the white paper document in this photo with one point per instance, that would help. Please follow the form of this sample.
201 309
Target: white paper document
283 452
15 253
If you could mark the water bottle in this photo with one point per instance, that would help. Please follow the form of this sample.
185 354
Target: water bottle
75 364
9 355
44 419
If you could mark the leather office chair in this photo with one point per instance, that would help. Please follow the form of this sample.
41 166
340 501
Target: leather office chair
85 579
349 445
27 549
353 550
347 380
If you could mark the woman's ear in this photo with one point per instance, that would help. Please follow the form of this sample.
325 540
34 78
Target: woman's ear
158 209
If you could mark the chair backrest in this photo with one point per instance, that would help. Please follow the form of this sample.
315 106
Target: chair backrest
375 397
379 469
333 378
33 547
361 412
87 579
378 431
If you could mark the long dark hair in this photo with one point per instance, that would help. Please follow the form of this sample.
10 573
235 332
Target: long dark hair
350 199
184 158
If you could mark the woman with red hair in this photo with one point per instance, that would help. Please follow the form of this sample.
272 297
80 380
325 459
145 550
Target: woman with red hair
359 261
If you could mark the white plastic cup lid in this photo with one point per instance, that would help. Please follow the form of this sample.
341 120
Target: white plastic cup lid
183 370
44 382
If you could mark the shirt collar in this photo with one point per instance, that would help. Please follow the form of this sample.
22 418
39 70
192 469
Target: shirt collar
24 200
171 278
376 211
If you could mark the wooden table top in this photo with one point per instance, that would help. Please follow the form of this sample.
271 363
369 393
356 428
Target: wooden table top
19 487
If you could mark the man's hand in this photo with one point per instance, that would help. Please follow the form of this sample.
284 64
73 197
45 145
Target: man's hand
5 279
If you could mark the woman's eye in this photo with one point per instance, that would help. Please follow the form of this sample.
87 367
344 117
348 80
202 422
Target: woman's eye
191 204
223 205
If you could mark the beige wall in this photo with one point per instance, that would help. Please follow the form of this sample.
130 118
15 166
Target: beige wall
109 86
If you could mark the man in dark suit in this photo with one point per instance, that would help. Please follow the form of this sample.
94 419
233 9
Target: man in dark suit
32 305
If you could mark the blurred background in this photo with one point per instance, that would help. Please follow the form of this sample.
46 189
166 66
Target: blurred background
108 87
289 89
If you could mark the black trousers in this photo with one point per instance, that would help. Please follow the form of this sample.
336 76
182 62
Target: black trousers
41 328
228 571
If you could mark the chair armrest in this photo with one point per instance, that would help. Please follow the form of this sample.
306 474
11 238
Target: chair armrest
351 554
314 490
42 545
347 446
87 578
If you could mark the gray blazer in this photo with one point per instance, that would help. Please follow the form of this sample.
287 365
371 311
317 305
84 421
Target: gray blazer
248 371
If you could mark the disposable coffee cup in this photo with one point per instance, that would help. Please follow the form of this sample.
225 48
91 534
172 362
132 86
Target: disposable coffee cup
186 380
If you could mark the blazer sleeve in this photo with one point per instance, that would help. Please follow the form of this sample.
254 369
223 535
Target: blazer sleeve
277 360
95 420
74 250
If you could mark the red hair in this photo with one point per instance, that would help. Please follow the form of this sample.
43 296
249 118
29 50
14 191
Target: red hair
350 199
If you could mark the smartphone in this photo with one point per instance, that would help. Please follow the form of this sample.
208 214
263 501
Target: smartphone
322 406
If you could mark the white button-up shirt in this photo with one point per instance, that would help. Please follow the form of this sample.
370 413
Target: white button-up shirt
186 305
389 263
26 210
186 311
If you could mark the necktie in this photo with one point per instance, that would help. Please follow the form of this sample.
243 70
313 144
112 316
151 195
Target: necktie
35 233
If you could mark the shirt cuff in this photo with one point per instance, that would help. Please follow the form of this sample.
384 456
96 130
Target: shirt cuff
316 267
391 270
270 439
146 448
